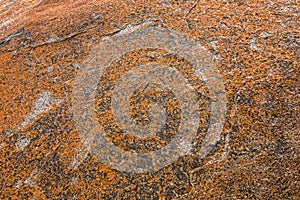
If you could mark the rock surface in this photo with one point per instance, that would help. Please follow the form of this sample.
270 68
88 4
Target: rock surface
254 45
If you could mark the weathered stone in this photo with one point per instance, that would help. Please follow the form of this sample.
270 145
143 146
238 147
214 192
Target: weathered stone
248 73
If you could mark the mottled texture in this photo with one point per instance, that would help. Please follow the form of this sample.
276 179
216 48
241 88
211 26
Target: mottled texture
255 46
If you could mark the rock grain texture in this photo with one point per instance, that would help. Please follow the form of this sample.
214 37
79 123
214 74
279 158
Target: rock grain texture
45 44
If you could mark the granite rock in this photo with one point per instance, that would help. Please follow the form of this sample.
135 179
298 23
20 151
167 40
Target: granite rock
254 45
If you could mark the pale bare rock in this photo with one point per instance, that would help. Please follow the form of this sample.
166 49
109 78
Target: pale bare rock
43 104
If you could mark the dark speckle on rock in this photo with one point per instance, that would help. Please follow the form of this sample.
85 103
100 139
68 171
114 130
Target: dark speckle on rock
254 45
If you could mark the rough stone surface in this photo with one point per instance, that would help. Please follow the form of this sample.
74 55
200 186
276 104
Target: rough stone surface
255 46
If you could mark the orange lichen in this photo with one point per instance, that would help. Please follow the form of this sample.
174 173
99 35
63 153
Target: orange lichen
256 49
